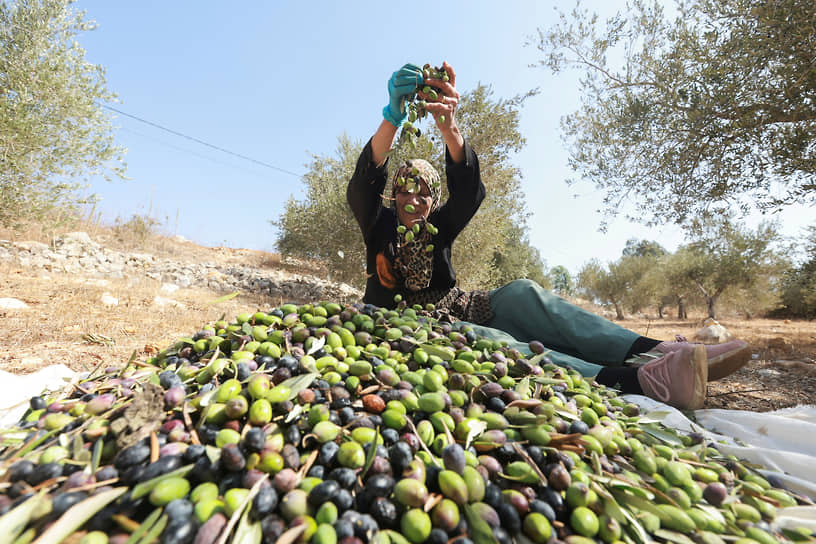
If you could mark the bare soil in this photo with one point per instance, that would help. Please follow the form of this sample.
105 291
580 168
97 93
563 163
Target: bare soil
66 322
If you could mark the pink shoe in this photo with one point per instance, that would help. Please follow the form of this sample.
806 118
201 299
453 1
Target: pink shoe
723 359
678 378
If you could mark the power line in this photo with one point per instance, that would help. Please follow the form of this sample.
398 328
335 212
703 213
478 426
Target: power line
202 142
191 152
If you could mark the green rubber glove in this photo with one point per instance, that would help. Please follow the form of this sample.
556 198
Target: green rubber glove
401 88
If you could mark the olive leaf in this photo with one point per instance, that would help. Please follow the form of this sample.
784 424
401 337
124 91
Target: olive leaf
224 298
372 452
661 434
480 530
445 353
296 411
96 455
26 537
296 384
292 535
476 428
635 529
154 531
523 387
78 514
673 536
14 521
145 526
316 345
242 513
537 358
396 538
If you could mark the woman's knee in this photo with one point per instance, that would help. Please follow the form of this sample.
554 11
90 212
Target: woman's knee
531 287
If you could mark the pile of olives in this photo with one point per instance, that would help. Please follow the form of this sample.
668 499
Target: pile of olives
326 423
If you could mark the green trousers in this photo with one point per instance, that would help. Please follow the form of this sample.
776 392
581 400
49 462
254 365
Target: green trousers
524 311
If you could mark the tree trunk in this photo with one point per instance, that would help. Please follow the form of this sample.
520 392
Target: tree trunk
619 312
710 301
660 311
681 308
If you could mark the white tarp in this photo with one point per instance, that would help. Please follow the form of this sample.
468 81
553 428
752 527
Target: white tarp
17 389
784 441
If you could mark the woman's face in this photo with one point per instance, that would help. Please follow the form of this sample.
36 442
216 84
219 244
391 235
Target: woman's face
418 196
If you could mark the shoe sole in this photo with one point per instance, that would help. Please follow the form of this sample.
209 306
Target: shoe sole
700 370
721 366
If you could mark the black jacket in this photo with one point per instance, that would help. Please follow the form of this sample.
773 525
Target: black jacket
379 224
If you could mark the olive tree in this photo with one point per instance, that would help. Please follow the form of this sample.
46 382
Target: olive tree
604 285
54 134
798 285
518 259
561 280
724 254
322 226
704 109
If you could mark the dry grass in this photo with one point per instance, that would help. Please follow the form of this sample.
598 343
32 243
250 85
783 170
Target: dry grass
66 321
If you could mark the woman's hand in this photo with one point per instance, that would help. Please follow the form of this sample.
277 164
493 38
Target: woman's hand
443 110
401 89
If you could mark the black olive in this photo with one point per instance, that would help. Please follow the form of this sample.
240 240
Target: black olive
64 501
317 471
180 531
343 500
543 508
20 470
384 512
107 472
162 465
44 472
264 502
400 455
343 529
509 517
254 440
343 476
179 509
272 528
380 485
578 426
133 455
328 454
437 536
322 492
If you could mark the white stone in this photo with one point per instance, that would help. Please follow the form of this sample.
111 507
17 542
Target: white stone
713 333
12 304
162 302
179 238
169 288
97 282
78 237
109 300
32 247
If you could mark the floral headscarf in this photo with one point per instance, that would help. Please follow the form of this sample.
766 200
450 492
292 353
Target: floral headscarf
414 252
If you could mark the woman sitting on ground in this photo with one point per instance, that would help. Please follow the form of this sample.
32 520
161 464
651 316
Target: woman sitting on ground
418 266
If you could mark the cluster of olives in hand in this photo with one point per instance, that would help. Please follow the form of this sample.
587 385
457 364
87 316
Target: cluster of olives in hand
325 424
416 107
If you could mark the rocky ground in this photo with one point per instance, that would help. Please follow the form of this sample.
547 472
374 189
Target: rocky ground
86 302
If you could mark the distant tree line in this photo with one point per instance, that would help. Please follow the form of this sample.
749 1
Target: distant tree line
723 264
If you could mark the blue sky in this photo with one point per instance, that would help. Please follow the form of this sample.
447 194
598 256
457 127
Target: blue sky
280 81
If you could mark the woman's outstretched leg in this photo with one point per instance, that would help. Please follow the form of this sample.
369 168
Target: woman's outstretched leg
527 312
